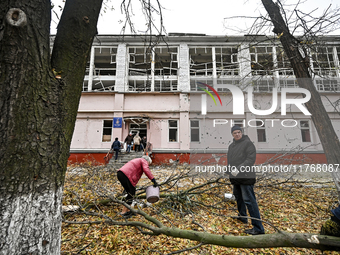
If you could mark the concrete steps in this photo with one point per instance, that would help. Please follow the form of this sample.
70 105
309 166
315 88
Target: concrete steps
123 158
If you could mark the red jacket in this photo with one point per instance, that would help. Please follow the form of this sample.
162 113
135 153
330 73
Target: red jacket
134 170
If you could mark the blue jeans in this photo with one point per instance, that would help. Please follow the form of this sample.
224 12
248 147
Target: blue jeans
116 153
128 147
245 199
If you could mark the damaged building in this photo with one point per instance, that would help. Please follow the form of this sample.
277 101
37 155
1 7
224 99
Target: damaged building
176 91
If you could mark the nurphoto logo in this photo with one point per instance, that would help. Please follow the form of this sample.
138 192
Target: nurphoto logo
208 92
239 100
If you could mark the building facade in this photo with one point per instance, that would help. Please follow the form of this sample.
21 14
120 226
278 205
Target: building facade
180 91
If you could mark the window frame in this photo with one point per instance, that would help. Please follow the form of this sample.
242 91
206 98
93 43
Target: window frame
195 128
107 128
264 131
173 128
153 68
262 60
304 129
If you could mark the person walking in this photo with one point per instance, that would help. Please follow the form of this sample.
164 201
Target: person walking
143 143
136 142
116 147
128 140
242 155
129 175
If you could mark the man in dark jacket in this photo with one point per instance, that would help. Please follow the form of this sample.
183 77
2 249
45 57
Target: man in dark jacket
116 147
128 140
241 157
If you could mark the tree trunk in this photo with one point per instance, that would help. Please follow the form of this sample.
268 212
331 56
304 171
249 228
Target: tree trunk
38 108
292 47
278 239
282 239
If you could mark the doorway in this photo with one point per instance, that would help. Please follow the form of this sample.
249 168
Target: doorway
136 127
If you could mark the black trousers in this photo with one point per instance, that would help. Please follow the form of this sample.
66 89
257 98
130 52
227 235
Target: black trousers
128 187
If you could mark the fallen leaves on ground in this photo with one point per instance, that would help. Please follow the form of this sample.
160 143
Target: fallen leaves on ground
292 206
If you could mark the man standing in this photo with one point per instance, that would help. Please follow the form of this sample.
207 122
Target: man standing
242 154
128 140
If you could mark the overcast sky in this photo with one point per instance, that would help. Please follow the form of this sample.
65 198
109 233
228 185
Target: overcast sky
186 16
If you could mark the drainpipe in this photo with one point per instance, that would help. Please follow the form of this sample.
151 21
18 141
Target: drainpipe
214 67
153 71
89 86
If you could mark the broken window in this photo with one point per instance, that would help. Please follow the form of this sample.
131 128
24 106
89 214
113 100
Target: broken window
327 84
283 64
284 69
165 85
337 48
214 61
104 69
201 63
220 87
140 59
156 66
140 85
196 84
261 60
107 130
166 62
105 61
324 65
226 61
140 128
288 82
262 84
323 61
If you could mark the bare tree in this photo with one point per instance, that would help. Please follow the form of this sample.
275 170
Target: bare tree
39 97
297 51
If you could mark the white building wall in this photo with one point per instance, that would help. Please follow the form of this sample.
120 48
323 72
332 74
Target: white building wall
282 132
183 72
88 134
184 105
122 67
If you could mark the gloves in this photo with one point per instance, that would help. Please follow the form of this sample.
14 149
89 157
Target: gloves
234 171
155 184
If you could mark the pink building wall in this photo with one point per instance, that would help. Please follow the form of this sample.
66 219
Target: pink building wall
183 103
97 106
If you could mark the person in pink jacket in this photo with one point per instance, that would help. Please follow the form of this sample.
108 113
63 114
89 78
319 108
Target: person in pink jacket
129 176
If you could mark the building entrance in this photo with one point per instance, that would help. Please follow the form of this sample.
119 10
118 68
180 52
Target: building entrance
134 128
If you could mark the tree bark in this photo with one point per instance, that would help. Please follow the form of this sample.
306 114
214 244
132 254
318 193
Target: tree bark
293 47
282 239
39 99
279 239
